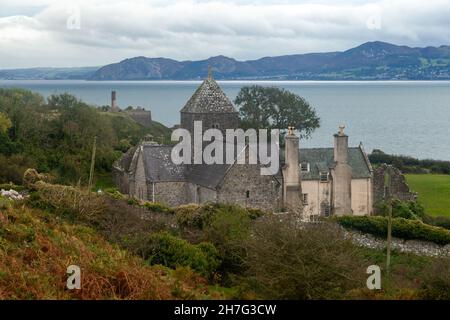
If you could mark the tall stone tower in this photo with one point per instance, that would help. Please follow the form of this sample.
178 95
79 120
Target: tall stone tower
341 175
210 105
114 107
291 174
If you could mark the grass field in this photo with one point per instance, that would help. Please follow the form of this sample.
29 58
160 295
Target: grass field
434 192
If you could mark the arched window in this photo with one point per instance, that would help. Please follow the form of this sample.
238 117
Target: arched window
247 194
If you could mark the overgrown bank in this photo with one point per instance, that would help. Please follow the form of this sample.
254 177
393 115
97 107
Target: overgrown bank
232 252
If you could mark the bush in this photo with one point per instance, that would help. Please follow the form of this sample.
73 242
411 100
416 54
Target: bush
170 251
192 216
410 165
9 186
13 168
227 229
401 228
31 177
158 207
439 221
255 213
402 209
114 193
195 216
288 260
5 203
66 200
437 281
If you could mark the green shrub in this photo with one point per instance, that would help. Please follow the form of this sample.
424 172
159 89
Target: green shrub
5 203
66 200
227 229
255 213
401 209
195 216
114 193
436 285
401 228
9 186
158 207
170 251
192 216
314 261
439 221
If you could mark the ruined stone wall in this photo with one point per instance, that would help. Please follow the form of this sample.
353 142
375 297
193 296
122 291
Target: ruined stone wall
399 187
264 192
143 117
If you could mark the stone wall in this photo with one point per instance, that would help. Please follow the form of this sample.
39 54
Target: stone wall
169 193
141 116
417 247
399 187
244 185
220 121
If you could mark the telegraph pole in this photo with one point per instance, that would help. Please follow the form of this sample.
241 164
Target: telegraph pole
387 196
91 172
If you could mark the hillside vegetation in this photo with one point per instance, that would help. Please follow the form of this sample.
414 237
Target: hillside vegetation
131 249
56 136
36 247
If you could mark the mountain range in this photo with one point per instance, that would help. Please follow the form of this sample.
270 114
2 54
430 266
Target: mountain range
369 61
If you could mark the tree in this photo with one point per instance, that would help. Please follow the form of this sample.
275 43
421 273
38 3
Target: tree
275 108
5 123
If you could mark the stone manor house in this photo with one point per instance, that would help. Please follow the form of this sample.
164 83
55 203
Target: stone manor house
318 181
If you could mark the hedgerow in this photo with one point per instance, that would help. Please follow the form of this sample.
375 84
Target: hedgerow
401 228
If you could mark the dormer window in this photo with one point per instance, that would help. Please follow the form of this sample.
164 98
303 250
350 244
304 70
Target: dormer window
304 167
324 177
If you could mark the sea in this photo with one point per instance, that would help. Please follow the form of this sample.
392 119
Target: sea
398 117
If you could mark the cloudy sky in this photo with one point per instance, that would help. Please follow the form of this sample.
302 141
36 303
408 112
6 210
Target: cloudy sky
36 33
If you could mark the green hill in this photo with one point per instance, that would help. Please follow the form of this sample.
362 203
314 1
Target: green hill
56 136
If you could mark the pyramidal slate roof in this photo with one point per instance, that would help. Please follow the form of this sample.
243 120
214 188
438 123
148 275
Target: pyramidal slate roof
209 98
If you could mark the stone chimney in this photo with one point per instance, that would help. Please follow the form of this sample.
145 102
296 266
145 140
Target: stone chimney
114 107
292 188
341 175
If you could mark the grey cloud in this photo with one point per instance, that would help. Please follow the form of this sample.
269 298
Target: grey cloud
113 30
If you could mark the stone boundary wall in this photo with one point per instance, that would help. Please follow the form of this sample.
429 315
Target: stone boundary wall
422 248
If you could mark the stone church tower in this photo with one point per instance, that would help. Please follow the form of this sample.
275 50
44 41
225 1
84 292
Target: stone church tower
210 105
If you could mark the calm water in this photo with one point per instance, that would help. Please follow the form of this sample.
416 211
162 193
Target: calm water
411 118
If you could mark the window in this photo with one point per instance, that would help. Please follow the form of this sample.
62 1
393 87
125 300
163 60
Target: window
325 209
305 199
324 177
215 126
304 167
247 194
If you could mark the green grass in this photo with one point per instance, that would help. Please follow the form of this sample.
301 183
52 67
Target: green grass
434 192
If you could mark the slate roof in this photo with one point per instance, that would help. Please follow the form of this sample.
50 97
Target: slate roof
124 162
321 159
159 166
209 98
209 176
